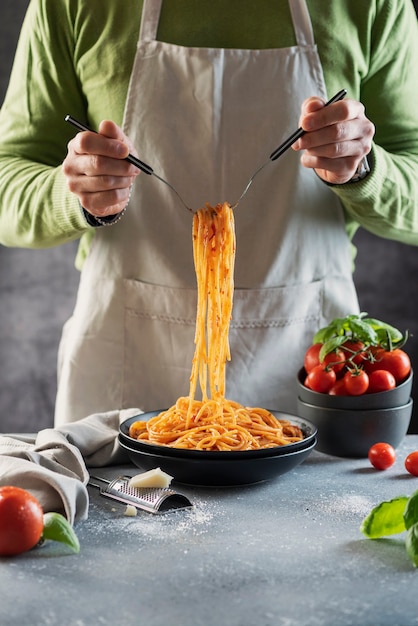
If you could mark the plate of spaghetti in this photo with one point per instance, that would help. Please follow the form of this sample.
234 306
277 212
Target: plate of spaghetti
211 439
217 467
253 437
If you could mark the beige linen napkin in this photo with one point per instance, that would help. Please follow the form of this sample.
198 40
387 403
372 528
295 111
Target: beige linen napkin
53 464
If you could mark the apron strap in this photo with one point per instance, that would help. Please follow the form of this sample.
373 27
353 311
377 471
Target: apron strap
302 23
149 22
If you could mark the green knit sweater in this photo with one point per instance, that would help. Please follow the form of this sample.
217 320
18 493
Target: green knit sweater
76 57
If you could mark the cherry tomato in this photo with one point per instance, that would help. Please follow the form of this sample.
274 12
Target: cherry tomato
371 353
321 379
338 389
356 382
335 359
382 456
397 362
311 359
411 463
354 351
21 521
381 380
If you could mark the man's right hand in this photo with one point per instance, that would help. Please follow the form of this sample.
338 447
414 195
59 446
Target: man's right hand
97 172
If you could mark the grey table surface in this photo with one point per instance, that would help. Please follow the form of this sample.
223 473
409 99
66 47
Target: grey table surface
287 552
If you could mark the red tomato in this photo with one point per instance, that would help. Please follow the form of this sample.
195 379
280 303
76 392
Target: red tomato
381 380
411 463
382 456
338 389
311 359
321 379
335 359
21 521
353 350
369 363
397 362
356 382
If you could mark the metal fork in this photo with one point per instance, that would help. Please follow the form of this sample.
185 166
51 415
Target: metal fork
285 146
144 167
147 169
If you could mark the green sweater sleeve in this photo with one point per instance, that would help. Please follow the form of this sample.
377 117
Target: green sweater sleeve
72 57
386 202
36 209
76 57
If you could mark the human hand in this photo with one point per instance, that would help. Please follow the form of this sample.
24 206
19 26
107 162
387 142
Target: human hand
97 172
338 137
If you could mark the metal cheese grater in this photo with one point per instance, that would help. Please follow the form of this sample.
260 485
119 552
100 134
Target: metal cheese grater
150 499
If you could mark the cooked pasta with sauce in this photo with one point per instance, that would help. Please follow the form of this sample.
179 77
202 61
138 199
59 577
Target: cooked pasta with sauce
214 422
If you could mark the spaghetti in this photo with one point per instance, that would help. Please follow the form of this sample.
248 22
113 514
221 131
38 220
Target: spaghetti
214 422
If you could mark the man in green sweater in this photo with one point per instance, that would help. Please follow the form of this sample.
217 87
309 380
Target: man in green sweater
204 92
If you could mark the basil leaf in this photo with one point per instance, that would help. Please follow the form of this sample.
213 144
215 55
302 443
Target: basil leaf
411 511
361 330
411 544
324 334
385 519
393 332
329 346
57 528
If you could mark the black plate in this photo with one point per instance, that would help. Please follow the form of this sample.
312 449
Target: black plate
213 468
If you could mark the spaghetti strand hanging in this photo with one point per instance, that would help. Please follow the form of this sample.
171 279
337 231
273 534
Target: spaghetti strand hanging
214 422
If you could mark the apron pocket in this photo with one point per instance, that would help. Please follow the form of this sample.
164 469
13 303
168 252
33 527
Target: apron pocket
270 331
159 344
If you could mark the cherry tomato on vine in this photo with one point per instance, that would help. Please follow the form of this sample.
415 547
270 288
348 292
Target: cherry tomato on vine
21 521
411 463
396 361
381 380
354 351
338 389
382 456
311 359
335 359
321 379
371 353
356 382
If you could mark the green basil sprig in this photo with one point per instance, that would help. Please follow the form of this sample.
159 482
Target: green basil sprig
57 528
358 327
393 517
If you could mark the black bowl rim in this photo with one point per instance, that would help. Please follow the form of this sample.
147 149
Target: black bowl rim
332 409
356 399
224 459
305 425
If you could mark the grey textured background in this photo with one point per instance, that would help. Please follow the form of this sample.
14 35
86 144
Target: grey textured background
38 287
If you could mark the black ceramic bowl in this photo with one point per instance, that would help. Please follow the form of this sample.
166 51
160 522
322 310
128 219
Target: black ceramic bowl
399 396
351 432
215 469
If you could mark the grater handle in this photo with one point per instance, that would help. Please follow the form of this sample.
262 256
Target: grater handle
102 480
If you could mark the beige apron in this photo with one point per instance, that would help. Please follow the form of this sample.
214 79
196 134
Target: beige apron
205 119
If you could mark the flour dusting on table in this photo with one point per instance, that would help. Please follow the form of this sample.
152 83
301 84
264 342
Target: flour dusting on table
171 526
347 505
